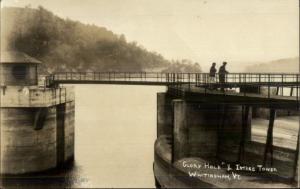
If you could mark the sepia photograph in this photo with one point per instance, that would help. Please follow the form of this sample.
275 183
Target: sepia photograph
149 94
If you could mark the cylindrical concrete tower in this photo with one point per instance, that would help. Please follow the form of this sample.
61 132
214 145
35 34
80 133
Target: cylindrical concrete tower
36 124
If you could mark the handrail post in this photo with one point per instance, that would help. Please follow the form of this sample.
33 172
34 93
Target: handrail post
268 85
189 80
297 89
291 92
282 85
167 74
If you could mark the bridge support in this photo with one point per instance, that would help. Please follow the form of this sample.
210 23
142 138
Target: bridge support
195 130
246 131
297 160
180 132
164 115
209 131
34 141
269 142
24 149
234 132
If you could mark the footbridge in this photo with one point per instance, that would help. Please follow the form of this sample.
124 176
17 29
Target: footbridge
159 78
199 119
280 90
197 105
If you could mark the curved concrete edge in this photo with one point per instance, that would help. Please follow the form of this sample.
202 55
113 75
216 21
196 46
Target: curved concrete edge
168 175
175 175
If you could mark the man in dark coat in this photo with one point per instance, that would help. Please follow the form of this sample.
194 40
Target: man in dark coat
212 74
222 74
213 70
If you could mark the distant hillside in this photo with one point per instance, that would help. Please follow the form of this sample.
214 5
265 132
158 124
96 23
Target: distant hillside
66 45
277 66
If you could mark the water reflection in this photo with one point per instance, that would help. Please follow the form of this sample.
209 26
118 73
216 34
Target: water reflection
67 176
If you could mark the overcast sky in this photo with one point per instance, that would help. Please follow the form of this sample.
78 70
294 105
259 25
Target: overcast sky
201 30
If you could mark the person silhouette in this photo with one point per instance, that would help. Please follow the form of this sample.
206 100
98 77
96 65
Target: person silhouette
212 74
222 75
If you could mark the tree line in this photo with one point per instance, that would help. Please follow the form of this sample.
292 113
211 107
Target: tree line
67 45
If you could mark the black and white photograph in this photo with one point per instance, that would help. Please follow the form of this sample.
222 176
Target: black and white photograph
149 94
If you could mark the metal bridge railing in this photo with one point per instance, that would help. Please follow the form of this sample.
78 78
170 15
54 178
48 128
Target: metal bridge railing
198 78
253 78
279 81
158 77
284 84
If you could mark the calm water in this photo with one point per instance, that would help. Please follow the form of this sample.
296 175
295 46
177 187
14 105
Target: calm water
115 134
115 130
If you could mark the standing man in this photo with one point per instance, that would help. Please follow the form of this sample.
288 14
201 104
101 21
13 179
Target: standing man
222 74
212 74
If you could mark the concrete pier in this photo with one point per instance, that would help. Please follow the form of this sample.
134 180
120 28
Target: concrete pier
164 115
24 149
234 132
201 129
211 131
37 123
180 132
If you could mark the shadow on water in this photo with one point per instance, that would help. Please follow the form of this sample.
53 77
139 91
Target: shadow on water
63 177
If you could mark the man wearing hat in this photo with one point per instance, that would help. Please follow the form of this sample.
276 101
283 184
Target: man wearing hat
222 74
212 74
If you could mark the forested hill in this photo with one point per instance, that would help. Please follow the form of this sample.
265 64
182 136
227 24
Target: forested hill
288 65
67 45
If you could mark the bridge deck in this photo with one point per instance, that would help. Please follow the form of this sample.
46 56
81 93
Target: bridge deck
157 78
116 82
194 93
196 86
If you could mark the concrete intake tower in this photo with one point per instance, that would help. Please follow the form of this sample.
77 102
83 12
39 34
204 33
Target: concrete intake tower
37 123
